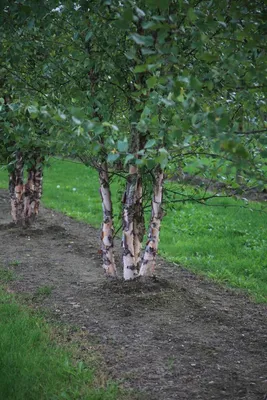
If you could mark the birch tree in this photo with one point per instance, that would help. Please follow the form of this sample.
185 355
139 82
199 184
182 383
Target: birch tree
189 64
132 87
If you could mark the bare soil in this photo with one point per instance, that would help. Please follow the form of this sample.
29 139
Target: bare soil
178 336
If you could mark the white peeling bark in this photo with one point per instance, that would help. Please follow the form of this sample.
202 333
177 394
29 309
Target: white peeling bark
129 260
12 185
33 192
149 259
17 190
107 241
138 222
38 189
29 193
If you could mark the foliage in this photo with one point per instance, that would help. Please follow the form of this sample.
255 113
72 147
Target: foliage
185 74
147 83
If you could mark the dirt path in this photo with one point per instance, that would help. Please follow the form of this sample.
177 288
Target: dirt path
179 337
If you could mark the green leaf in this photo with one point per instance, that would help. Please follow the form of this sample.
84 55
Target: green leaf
191 15
131 53
128 158
151 163
143 40
88 36
140 68
112 157
241 151
33 111
61 115
122 146
76 120
151 82
77 112
163 151
150 143
161 4
209 57
128 14
195 83
125 19
114 127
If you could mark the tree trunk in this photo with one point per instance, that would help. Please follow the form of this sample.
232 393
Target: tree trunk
38 188
107 241
29 194
149 259
33 192
138 222
238 176
16 190
133 224
129 260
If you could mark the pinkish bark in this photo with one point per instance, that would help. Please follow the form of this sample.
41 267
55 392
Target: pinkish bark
149 259
107 241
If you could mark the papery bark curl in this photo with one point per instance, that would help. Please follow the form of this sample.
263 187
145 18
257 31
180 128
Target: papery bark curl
107 232
133 224
149 258
17 190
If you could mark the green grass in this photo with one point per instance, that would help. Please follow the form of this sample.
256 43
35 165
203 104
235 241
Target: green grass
3 178
73 189
6 275
228 243
33 366
44 290
14 263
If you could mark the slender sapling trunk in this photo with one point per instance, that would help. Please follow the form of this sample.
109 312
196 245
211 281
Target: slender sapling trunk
107 240
16 190
33 192
149 258
38 189
133 214
138 222
29 193
129 260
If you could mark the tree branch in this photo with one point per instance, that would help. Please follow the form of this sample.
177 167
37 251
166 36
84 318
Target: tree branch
251 132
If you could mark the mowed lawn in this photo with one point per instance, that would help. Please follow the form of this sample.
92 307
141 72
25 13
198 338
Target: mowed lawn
220 238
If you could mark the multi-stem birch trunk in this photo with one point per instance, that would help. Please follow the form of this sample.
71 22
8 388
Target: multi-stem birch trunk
149 258
38 189
131 248
29 193
33 192
133 213
16 190
107 234
138 221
